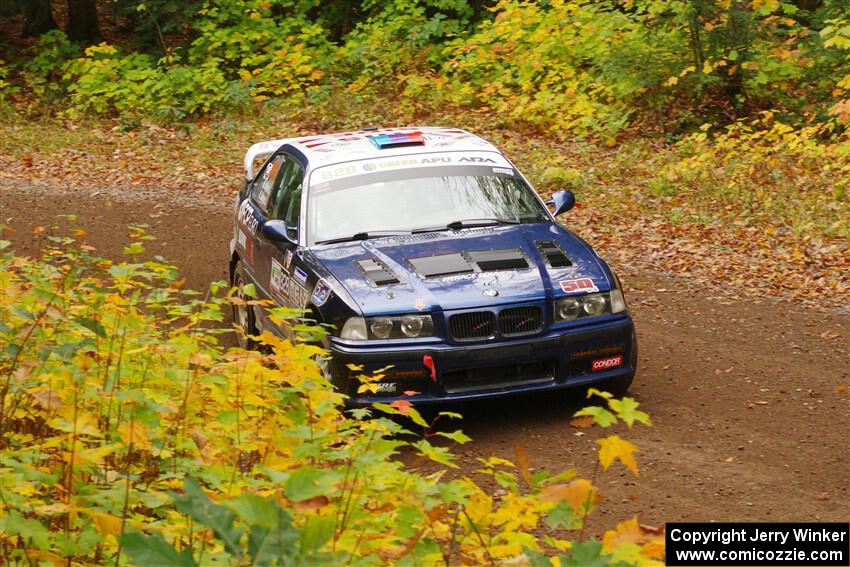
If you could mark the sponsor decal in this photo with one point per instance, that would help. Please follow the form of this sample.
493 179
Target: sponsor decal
287 259
249 247
330 173
503 170
246 242
246 217
300 275
278 279
597 352
459 277
285 289
401 374
298 295
606 363
580 285
419 304
386 388
321 293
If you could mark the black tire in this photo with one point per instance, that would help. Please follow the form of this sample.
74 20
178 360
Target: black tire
243 315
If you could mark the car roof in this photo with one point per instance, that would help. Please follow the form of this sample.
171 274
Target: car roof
329 149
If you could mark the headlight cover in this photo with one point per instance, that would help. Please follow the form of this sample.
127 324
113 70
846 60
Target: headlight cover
396 327
590 305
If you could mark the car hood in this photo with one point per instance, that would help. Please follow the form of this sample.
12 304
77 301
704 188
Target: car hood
461 269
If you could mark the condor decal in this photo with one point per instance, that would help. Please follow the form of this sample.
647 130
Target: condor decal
606 363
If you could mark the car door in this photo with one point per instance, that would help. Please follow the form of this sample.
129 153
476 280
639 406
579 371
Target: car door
252 216
280 279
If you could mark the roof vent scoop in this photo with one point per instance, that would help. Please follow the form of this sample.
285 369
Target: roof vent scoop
377 273
554 254
397 140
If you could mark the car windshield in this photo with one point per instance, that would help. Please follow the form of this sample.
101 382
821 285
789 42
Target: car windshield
419 199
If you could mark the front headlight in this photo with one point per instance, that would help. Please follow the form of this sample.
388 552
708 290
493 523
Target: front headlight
590 305
354 329
401 327
618 302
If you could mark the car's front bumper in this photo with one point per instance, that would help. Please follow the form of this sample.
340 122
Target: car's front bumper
555 360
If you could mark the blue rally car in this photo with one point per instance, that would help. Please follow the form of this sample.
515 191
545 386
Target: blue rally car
428 252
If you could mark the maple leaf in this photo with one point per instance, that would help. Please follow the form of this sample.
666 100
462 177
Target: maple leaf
403 406
614 447
524 465
578 493
627 411
582 422
600 415
634 542
135 434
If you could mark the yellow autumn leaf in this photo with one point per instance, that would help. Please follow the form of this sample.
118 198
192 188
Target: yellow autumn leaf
136 434
576 492
614 447
649 539
106 524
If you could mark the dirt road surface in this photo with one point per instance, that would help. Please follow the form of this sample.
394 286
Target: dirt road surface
750 423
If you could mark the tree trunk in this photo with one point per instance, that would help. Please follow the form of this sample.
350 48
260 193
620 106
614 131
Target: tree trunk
737 38
38 18
82 21
808 5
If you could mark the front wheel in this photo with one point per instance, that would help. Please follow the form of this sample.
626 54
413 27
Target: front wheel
243 314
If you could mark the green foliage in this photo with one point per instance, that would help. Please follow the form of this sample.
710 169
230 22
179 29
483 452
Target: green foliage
5 87
103 81
747 167
582 67
43 72
129 433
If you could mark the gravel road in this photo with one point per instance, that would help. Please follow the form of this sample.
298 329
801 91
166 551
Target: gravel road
749 422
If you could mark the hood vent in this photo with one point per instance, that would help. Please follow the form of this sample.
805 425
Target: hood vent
377 273
554 254
469 262
497 260
443 265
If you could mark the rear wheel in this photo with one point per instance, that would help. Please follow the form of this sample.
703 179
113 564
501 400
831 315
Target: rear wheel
243 314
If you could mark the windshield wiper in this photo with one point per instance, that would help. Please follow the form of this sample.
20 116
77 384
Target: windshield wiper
364 236
468 223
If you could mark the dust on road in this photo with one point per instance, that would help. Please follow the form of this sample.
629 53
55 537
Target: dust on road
748 422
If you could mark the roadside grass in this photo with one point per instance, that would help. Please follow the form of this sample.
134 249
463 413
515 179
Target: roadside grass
737 206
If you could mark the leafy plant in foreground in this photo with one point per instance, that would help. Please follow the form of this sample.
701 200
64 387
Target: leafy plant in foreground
130 434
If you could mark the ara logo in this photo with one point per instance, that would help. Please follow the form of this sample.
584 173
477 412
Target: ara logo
476 159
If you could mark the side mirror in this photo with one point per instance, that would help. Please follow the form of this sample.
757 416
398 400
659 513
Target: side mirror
563 201
279 231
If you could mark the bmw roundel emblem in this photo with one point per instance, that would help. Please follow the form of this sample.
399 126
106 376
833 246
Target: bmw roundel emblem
490 292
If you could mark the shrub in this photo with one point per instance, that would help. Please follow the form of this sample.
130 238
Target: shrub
128 431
